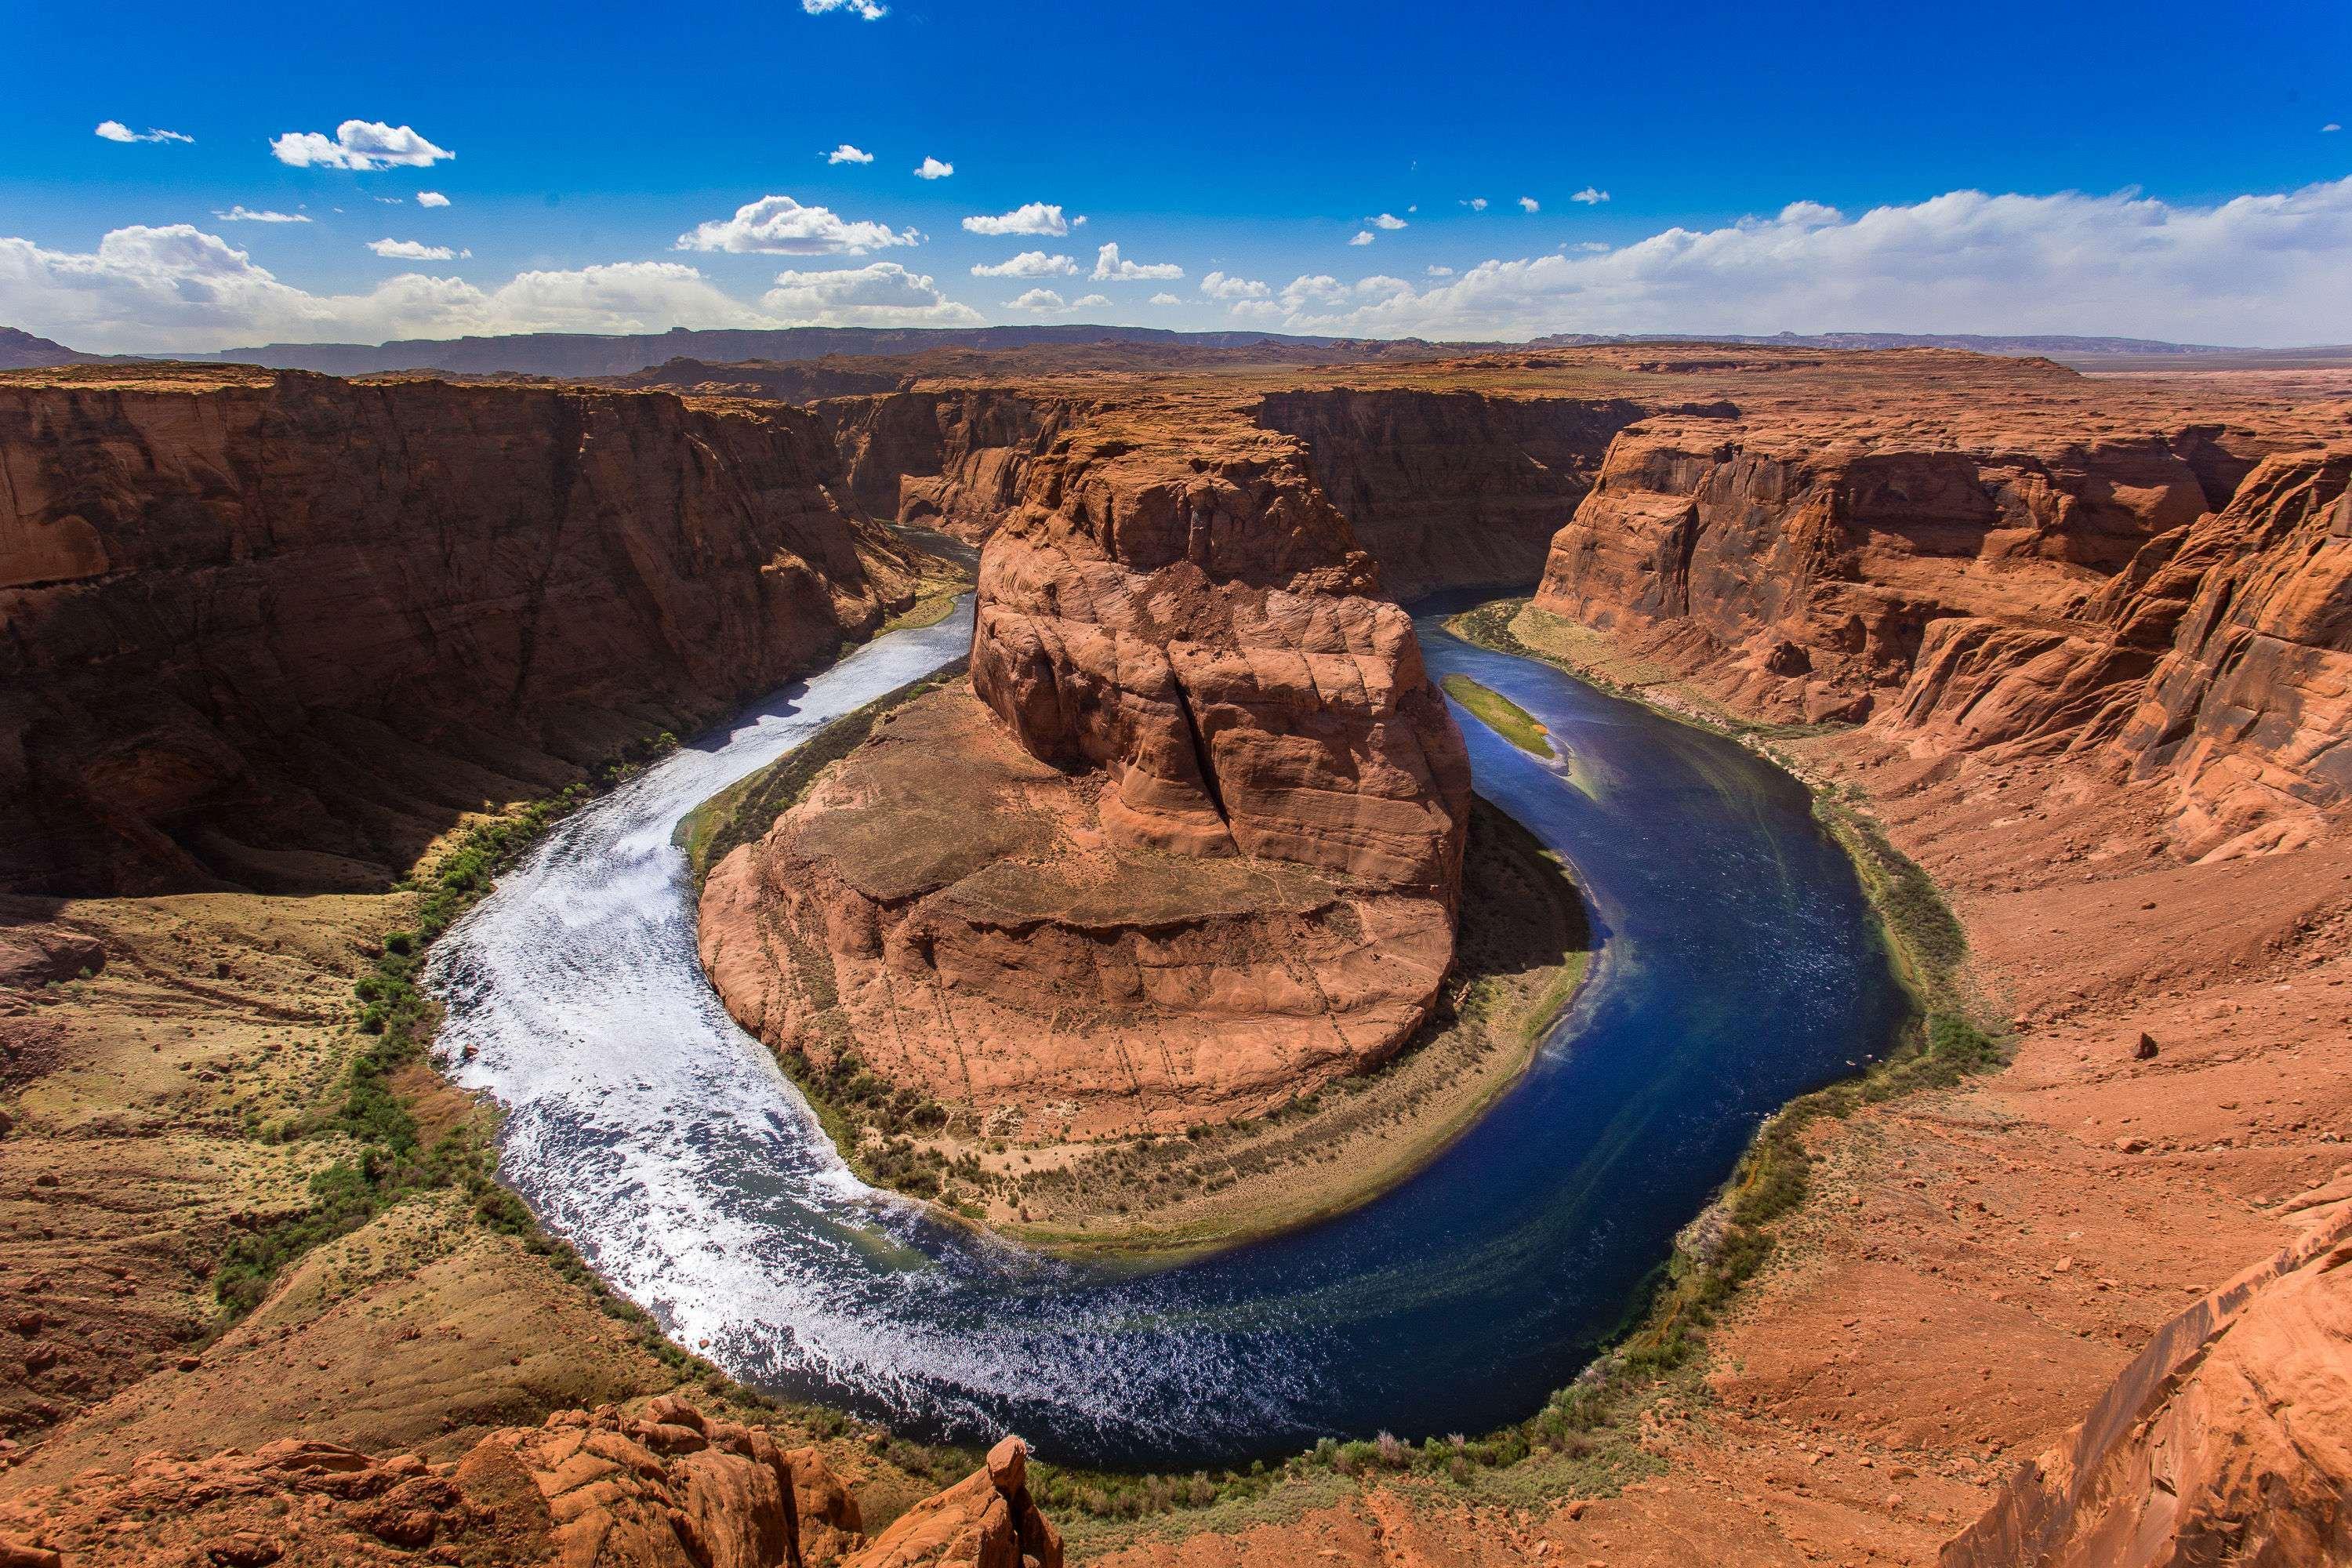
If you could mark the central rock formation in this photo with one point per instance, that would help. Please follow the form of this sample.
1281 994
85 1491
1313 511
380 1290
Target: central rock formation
1198 852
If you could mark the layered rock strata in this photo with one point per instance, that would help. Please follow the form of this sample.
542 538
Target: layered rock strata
1450 488
278 631
1190 846
2176 605
667 1487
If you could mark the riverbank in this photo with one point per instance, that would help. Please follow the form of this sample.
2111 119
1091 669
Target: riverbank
1523 947
241 1202
1966 1267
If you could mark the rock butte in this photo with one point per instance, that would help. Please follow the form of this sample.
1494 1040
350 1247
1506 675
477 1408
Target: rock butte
1191 846
2094 632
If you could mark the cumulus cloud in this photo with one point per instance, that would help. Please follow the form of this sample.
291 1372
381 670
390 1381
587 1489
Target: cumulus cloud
1530 204
1032 218
1363 236
2331 125
866 8
879 294
412 250
846 153
1164 297
358 144
1222 285
1110 264
1091 302
779 225
1591 196
1477 204
431 199
1437 271
177 289
115 131
242 213
1037 299
1028 264
2259 269
933 169
1388 220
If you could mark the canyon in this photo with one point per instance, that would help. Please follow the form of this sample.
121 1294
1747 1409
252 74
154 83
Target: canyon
2081 643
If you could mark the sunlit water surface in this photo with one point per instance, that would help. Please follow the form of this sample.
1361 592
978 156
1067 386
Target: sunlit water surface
644 1126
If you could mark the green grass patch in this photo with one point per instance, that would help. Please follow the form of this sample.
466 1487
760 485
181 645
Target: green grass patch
1502 715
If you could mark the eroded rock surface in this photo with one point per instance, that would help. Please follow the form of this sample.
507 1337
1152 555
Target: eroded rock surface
2228 1440
1198 852
666 1487
277 630
2014 576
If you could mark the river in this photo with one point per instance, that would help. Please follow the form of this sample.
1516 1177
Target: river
1738 969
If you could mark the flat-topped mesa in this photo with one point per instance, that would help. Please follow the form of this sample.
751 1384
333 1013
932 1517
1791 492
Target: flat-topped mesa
1193 848
1202 627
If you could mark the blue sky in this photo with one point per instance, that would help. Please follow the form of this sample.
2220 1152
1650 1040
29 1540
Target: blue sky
2157 169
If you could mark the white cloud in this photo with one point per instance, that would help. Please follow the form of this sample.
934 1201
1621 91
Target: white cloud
866 8
358 144
779 225
2258 270
1038 300
1091 302
1110 264
410 250
393 201
1221 286
1028 264
431 199
933 169
1593 246
1437 271
846 153
2331 125
1033 218
1589 197
1266 308
175 287
1477 204
1529 203
1388 221
1165 299
1320 287
1363 236
879 294
242 213
115 131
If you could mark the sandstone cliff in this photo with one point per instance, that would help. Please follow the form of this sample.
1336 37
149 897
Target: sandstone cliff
276 631
2173 600
2228 1440
953 460
667 1488
1451 489
1201 855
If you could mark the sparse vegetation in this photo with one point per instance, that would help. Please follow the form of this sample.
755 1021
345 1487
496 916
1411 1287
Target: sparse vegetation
1502 715
395 1024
